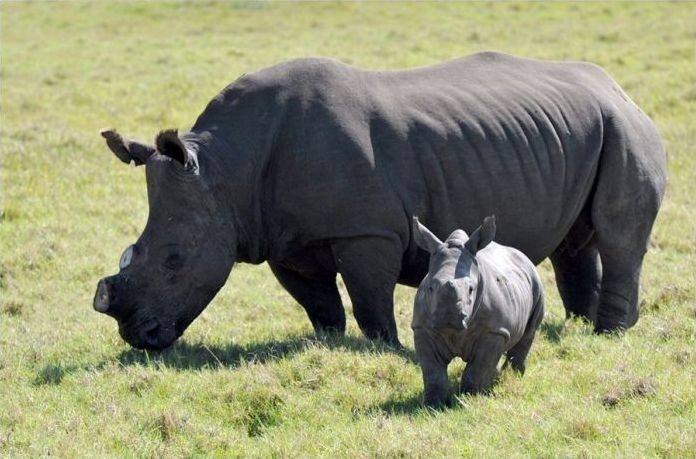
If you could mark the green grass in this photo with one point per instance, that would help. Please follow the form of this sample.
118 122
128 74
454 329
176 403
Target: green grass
240 383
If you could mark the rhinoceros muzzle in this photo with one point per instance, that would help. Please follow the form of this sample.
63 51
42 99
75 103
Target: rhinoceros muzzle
109 298
149 334
101 298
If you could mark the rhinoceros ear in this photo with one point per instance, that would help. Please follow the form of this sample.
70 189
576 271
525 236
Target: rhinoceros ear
482 236
424 238
125 149
169 144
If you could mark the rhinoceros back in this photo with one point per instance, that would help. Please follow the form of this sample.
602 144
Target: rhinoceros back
492 134
347 153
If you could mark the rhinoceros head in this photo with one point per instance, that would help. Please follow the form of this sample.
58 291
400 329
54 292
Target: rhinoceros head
183 256
447 295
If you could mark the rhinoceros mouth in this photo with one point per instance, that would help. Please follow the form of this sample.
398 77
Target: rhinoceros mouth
149 335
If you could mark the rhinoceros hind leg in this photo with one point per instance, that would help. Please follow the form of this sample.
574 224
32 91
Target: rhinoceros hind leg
517 354
579 279
618 305
370 267
319 297
628 195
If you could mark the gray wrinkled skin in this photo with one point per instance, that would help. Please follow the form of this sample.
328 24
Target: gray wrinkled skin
478 301
316 167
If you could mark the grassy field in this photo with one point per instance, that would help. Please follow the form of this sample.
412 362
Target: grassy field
239 383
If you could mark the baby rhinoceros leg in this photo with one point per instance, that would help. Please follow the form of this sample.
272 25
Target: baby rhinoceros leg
517 354
482 368
433 363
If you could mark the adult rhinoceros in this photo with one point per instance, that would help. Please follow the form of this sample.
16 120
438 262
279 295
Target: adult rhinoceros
317 168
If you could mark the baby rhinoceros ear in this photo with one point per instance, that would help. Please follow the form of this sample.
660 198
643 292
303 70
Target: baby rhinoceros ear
424 238
482 236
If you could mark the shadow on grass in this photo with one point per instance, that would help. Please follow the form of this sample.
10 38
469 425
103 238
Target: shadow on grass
187 356
413 404
193 356
410 405
52 375
552 331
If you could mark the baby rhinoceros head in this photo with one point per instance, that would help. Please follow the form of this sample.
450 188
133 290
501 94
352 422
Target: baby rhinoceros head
447 297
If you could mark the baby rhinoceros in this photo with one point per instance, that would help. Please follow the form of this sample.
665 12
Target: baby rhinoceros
478 301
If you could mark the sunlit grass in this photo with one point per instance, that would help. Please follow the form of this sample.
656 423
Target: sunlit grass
249 378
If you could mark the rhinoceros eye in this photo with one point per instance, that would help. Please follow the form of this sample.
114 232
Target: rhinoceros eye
174 262
471 289
126 258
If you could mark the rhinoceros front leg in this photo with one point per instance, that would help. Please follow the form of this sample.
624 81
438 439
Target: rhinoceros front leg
319 297
434 368
482 368
370 267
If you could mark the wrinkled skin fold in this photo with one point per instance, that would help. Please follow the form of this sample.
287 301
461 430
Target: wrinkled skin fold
316 167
